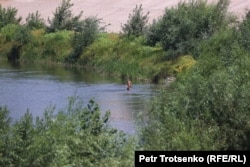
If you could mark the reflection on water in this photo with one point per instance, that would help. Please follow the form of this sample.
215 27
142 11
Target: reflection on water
35 87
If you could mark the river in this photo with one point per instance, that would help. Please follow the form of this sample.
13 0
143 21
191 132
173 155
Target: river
35 87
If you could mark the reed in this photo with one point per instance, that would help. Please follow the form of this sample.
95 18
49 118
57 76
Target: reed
123 57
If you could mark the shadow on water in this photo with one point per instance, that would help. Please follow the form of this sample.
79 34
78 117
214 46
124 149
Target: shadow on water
36 86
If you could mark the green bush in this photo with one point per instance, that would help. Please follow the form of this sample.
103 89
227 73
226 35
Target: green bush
14 38
56 46
85 34
22 36
9 32
181 28
206 108
75 136
122 57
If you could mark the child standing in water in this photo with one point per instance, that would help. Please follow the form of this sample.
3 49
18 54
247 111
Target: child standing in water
129 84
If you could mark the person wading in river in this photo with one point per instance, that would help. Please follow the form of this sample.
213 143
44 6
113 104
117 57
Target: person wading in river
129 85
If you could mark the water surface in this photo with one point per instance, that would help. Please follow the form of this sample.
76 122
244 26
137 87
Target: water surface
36 87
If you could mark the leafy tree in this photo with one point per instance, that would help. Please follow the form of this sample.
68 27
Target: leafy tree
154 33
63 18
181 28
137 23
85 34
8 16
34 21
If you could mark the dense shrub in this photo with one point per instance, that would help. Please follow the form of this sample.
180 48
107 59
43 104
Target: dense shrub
9 32
84 35
181 28
22 36
76 136
56 46
207 108
17 36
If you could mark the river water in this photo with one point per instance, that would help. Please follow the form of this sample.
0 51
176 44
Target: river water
35 87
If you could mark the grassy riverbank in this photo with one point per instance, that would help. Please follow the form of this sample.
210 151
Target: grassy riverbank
132 58
109 53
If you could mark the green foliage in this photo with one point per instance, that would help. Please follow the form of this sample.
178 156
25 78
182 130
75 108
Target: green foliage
16 33
136 24
181 28
154 33
49 47
206 108
63 18
224 100
8 16
75 136
9 32
122 57
36 45
181 65
168 128
220 49
4 118
22 36
14 37
4 137
244 32
84 35
34 21
56 45
100 48
133 59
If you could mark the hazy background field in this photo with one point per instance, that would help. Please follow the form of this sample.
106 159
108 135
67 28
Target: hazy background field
112 12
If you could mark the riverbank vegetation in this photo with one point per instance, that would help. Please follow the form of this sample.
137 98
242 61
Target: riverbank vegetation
206 108
68 39
75 136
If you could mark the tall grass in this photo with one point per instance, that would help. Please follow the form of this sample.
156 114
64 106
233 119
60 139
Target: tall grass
125 58
52 47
